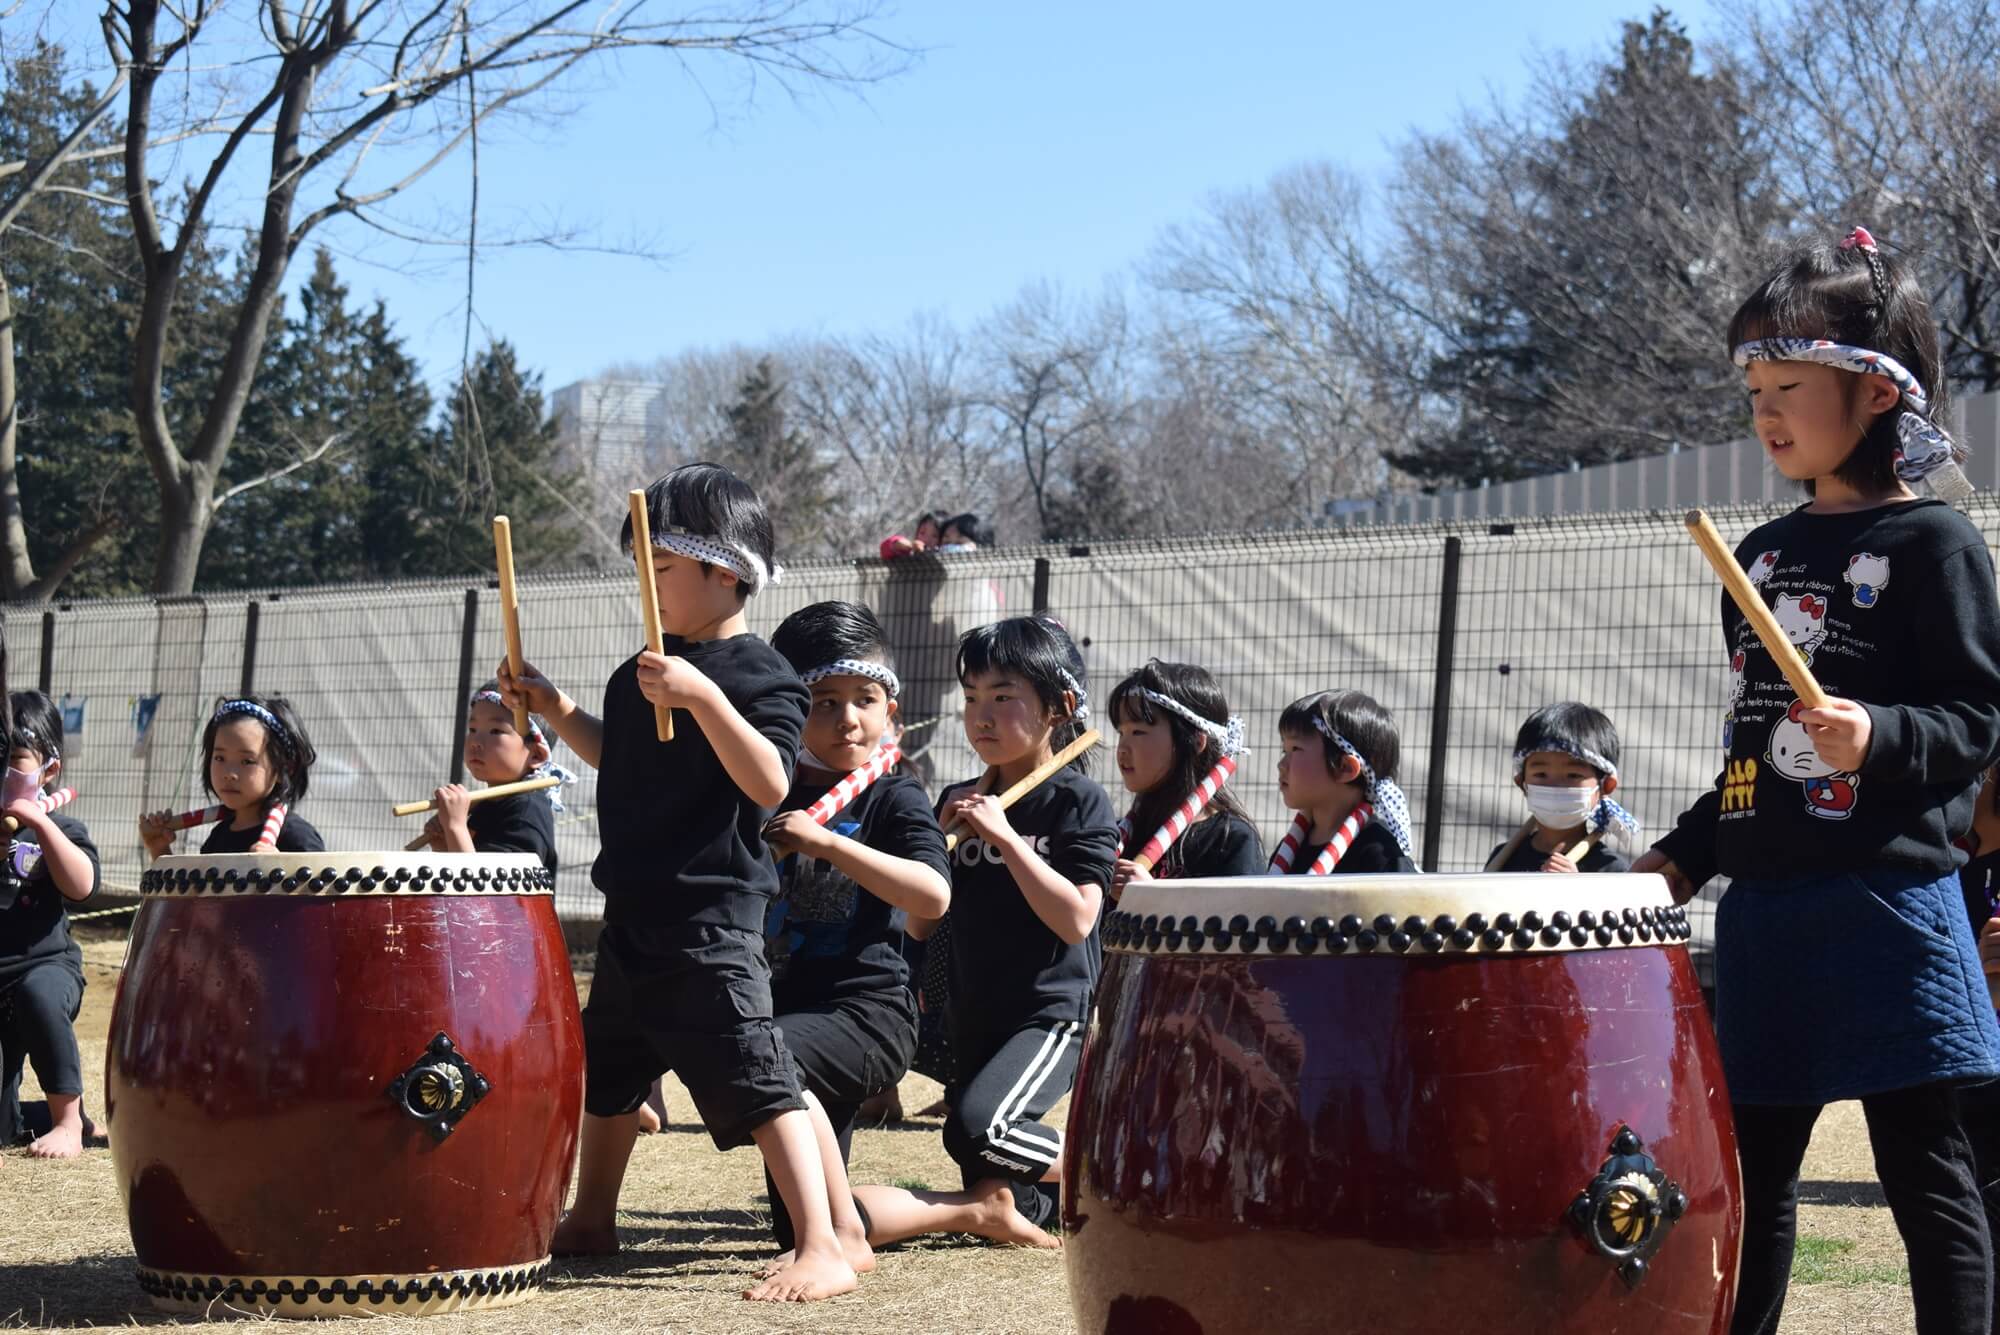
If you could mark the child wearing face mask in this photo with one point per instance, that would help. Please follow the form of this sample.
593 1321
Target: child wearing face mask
51 864
1566 766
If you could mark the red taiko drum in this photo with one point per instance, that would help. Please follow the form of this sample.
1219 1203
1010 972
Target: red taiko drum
344 1082
1400 1103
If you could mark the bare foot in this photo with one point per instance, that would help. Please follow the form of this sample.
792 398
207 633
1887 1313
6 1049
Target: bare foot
998 1220
649 1121
574 1237
806 1281
938 1109
63 1141
860 1256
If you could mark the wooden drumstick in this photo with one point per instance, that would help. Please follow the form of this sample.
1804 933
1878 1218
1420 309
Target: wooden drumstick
1751 604
1512 846
649 598
1035 777
1582 849
510 610
481 794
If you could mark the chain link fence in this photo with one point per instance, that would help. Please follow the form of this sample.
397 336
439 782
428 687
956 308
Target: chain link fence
1461 629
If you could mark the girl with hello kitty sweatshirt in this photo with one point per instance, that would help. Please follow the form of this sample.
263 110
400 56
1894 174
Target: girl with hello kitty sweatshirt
1845 965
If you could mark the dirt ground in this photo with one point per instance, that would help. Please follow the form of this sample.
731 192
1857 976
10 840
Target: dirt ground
694 1229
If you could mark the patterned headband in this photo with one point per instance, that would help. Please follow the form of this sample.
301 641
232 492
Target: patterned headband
1925 452
1075 688
1227 736
1613 821
494 698
251 709
855 667
1563 746
1392 809
745 564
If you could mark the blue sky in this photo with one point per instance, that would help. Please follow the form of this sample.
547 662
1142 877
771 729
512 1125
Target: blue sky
1028 140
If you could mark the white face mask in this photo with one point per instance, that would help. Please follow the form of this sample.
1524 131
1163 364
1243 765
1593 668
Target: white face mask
1560 808
19 785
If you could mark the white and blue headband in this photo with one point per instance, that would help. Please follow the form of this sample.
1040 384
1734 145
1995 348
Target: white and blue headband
1082 712
1392 809
1564 746
745 564
878 673
251 709
1925 453
1228 737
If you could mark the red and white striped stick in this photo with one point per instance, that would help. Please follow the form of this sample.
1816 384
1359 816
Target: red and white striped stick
851 787
268 841
1177 824
1330 856
187 820
61 797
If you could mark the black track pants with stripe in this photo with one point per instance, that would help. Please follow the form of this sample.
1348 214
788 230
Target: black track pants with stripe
995 1127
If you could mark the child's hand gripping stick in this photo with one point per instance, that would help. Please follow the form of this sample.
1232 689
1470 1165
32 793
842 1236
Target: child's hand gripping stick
61 797
1751 604
1042 771
480 795
649 600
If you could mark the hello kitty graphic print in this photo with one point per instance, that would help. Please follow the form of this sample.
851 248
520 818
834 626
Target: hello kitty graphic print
1829 793
1897 609
1869 575
1803 619
1761 568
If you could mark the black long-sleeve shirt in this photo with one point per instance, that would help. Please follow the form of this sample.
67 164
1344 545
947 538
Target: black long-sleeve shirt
1894 608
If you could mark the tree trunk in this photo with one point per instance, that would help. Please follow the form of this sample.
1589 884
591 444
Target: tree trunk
16 570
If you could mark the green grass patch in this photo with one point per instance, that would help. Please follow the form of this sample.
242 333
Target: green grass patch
1829 1261
910 1183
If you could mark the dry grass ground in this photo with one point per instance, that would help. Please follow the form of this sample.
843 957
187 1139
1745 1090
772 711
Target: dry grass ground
694 1230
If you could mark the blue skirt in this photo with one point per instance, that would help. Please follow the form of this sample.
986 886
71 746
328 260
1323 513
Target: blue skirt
1840 986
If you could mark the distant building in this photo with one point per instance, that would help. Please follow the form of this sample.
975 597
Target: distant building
615 429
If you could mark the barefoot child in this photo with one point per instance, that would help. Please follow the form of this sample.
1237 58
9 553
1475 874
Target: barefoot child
51 864
1338 772
495 753
1027 887
681 983
839 982
1173 728
1844 964
1566 766
259 758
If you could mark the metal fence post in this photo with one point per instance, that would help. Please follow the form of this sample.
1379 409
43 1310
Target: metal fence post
46 683
468 643
1441 703
1041 592
250 646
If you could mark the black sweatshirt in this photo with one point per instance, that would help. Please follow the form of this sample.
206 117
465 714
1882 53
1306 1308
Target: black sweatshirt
827 937
1527 857
294 836
1373 850
1219 845
516 823
1894 608
1008 968
681 842
34 915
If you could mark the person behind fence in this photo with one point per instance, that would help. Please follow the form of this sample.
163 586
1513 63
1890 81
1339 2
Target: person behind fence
1174 729
858 849
259 764
965 533
495 753
1027 886
1337 771
1845 967
1566 766
929 530
681 981
51 864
